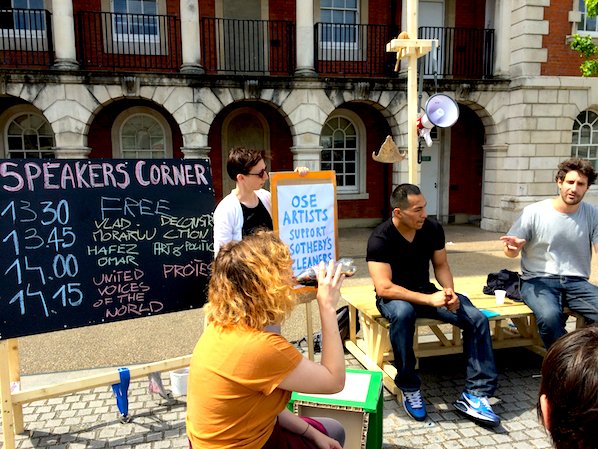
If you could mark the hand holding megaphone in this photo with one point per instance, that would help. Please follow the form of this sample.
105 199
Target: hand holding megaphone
441 111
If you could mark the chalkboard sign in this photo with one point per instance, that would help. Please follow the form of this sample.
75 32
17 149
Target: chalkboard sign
86 242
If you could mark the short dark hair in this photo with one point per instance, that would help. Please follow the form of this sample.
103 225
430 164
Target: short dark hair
400 196
241 160
582 166
570 383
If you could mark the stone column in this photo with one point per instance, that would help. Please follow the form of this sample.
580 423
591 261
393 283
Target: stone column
502 38
195 152
71 152
307 156
305 39
190 39
63 27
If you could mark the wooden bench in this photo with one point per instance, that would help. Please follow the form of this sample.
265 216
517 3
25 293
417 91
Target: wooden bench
374 350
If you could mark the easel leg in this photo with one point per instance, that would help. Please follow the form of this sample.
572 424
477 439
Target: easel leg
310 331
6 397
15 376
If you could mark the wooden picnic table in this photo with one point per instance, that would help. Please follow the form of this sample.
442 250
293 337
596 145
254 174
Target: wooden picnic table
512 324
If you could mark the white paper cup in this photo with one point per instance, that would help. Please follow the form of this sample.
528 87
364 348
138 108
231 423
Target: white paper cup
500 296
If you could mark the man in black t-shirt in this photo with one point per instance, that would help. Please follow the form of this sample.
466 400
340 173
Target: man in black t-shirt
399 254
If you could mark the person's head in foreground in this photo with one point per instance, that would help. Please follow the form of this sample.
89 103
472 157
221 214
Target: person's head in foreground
568 403
241 376
251 283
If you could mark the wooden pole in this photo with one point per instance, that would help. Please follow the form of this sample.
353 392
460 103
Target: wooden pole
15 376
8 429
412 93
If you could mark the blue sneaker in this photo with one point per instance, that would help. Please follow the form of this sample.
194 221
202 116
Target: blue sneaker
414 405
478 409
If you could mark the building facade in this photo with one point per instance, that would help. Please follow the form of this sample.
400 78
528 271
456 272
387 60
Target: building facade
311 83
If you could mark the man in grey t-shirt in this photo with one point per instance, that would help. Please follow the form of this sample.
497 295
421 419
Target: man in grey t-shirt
555 238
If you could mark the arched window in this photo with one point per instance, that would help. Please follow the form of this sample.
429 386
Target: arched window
340 153
29 135
584 141
142 137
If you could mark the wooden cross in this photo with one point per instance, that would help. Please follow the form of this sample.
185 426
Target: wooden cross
412 49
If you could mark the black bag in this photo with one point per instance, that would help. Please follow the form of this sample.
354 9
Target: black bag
506 280
342 318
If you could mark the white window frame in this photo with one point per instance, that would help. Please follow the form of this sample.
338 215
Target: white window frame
356 46
6 119
359 191
124 38
575 17
14 33
127 114
576 135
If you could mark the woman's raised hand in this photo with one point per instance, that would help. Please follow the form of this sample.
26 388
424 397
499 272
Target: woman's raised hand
329 284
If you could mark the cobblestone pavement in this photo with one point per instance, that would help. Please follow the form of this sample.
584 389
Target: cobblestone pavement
89 419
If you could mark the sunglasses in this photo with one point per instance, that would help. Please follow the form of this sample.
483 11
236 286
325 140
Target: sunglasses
263 172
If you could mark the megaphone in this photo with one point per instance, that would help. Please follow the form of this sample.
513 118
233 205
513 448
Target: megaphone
441 111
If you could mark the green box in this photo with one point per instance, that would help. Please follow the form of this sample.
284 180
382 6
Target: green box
358 408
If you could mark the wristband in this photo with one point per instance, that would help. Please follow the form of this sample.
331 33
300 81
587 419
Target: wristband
305 431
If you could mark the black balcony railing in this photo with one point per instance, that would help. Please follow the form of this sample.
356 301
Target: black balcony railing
128 41
463 52
26 38
248 46
353 50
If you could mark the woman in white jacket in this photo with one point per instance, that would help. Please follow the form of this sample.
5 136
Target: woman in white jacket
248 207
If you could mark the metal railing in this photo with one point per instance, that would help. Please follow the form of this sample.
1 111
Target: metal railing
463 52
113 41
26 38
248 46
353 50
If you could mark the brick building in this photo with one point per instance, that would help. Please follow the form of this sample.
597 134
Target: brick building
311 83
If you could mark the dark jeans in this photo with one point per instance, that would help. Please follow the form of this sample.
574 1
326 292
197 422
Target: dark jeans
481 375
547 296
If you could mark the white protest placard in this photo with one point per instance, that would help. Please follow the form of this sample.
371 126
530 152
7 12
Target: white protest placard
305 215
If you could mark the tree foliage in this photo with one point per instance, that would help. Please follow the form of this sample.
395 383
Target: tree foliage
584 45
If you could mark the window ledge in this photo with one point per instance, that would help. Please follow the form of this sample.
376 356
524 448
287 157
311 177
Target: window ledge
569 38
352 196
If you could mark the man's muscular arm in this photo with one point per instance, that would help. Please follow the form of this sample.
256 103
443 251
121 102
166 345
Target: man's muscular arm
381 274
442 272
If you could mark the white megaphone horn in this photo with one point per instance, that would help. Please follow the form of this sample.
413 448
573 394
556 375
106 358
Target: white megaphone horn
441 111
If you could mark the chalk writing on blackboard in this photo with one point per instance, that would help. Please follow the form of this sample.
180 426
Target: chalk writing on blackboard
86 242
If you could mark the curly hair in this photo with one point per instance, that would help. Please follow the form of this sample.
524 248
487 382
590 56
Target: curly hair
570 383
241 160
251 283
582 166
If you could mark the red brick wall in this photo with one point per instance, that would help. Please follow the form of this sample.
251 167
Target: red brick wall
562 60
206 8
100 137
470 14
380 12
283 10
378 181
466 159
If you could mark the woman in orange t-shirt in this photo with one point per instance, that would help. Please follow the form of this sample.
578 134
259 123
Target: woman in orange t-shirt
241 377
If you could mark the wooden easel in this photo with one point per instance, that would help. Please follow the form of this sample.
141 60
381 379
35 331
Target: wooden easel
12 403
412 49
